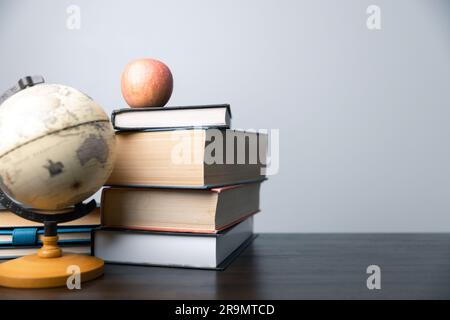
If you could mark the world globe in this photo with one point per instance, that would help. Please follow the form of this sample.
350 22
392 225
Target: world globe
56 147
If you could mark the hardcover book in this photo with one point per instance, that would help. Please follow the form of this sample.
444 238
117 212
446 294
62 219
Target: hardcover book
190 250
179 210
33 236
11 252
11 220
167 118
195 158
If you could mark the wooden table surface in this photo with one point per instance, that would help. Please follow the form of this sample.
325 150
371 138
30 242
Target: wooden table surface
286 266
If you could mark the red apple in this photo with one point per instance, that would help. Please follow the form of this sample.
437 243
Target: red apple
146 83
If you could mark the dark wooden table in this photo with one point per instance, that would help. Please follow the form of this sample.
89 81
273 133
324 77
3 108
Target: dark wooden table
287 266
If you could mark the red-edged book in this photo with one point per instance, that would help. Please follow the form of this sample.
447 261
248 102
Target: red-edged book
179 210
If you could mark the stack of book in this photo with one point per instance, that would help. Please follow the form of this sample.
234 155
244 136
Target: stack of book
19 237
183 190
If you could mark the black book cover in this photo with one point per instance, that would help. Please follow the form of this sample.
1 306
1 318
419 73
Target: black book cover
124 110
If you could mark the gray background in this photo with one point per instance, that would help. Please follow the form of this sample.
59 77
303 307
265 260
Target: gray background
363 115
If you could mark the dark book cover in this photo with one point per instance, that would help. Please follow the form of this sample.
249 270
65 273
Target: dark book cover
204 187
152 109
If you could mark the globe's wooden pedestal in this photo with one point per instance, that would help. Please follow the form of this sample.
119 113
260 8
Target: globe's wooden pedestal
48 268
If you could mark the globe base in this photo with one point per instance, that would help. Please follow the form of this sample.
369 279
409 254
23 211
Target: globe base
34 271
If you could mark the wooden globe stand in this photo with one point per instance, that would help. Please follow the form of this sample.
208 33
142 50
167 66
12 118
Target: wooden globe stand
50 267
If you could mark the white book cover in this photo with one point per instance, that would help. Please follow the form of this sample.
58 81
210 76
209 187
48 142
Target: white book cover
171 249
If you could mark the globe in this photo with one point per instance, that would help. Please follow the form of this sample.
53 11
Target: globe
56 147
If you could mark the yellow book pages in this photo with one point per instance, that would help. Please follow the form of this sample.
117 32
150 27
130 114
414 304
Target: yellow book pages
11 220
188 158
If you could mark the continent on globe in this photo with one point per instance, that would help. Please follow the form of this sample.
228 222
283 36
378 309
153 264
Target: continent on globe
54 168
93 148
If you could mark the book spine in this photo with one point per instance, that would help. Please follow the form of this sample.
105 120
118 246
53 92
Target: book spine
30 236
113 118
24 236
